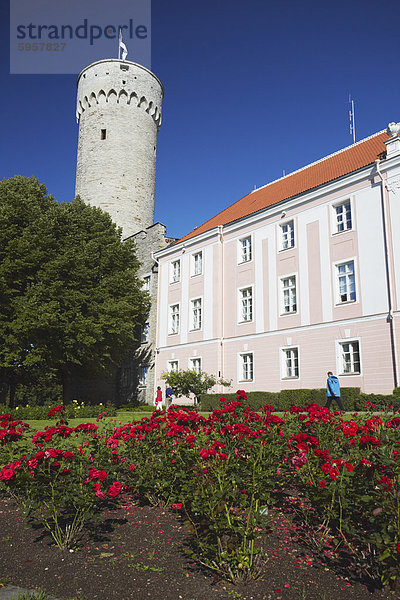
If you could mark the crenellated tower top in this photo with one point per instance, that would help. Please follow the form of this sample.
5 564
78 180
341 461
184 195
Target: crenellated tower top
119 115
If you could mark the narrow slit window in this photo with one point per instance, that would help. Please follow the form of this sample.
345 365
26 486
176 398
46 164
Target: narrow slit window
103 134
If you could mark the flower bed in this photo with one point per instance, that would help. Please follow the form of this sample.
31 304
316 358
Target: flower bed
222 474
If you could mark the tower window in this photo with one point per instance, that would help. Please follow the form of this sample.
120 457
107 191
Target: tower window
123 81
103 134
124 67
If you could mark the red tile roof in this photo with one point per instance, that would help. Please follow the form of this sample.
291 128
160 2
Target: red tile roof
332 167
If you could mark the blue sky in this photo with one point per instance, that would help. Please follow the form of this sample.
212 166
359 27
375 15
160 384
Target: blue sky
252 88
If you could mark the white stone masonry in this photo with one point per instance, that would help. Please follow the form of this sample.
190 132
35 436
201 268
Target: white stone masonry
119 115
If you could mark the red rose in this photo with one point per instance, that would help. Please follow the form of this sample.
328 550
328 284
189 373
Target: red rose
322 483
132 467
398 549
6 474
177 506
333 473
326 467
115 489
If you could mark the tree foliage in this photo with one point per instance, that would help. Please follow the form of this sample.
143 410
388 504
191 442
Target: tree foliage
193 382
70 296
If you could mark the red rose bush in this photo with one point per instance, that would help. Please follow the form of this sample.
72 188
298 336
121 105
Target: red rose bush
222 474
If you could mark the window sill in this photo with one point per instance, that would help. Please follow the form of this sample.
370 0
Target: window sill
288 378
288 314
245 322
286 249
355 374
341 232
346 302
174 333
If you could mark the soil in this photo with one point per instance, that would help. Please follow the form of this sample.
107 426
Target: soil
138 552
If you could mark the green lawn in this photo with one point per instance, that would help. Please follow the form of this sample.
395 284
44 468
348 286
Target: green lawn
121 419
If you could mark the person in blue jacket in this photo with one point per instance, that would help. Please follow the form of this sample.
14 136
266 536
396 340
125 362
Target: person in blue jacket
333 391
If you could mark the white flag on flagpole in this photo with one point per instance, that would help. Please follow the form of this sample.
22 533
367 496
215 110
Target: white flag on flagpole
122 49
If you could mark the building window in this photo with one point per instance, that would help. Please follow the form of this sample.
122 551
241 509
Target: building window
346 282
290 366
287 235
349 358
289 302
173 365
146 283
143 374
197 263
246 367
175 275
103 134
246 304
342 216
145 333
195 364
245 250
174 319
196 313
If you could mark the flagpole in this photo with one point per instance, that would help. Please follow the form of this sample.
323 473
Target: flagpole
119 43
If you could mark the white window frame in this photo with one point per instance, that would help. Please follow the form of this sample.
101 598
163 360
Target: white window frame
283 241
243 366
171 363
241 304
245 249
340 359
282 294
192 364
173 328
338 276
197 264
145 335
143 375
196 314
146 287
284 366
175 271
337 220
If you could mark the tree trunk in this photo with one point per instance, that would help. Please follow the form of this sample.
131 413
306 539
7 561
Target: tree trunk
11 396
66 388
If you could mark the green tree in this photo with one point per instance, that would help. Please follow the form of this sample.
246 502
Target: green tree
68 286
193 382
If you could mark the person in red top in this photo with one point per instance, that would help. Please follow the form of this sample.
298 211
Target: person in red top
158 399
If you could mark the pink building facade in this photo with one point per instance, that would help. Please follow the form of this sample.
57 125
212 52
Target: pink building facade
298 278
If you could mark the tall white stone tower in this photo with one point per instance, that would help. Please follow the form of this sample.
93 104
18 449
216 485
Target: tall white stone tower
119 115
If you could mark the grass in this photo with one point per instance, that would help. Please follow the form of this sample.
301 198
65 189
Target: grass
124 417
39 595
121 418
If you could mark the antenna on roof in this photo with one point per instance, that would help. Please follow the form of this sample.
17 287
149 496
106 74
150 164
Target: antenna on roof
352 117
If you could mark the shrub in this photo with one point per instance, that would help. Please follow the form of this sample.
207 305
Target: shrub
72 411
284 399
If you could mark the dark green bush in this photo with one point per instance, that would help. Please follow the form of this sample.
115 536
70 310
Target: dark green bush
74 410
382 401
284 399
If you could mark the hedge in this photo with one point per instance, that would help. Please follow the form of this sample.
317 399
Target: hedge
73 411
283 400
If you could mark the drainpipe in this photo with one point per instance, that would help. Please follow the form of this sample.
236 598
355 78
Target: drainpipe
389 282
221 303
